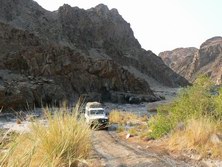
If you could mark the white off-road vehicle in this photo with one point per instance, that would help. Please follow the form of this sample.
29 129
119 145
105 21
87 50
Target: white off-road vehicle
95 115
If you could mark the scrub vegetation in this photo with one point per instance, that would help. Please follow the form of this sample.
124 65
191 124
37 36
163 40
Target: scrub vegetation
193 121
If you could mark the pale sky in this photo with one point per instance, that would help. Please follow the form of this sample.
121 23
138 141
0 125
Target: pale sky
161 25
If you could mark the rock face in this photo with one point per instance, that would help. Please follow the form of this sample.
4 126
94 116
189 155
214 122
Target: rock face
191 62
48 57
180 60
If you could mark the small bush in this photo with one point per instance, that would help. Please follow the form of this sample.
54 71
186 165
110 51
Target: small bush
115 116
160 125
120 117
133 131
63 140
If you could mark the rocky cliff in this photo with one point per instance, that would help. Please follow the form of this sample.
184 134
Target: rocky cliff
191 62
180 60
48 57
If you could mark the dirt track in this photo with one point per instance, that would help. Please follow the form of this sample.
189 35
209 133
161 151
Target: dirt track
117 153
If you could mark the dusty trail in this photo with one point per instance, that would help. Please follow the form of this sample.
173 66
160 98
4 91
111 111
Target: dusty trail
116 153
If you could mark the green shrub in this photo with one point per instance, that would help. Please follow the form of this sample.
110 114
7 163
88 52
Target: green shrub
160 125
193 102
218 106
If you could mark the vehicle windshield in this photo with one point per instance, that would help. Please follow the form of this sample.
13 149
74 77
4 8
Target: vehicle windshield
97 112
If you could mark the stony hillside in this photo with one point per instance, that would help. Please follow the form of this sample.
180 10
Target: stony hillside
47 57
210 59
191 62
180 60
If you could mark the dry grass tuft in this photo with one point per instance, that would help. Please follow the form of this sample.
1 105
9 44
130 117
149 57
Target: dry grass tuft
64 140
129 123
121 117
197 136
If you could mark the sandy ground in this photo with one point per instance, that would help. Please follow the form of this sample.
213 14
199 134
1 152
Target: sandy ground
114 152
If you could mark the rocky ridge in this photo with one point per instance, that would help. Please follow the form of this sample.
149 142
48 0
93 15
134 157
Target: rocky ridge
191 62
180 60
48 57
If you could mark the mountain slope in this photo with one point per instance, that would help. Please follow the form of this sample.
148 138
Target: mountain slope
180 60
75 51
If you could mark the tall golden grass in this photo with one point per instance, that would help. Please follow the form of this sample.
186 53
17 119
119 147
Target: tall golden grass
120 117
64 140
196 136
